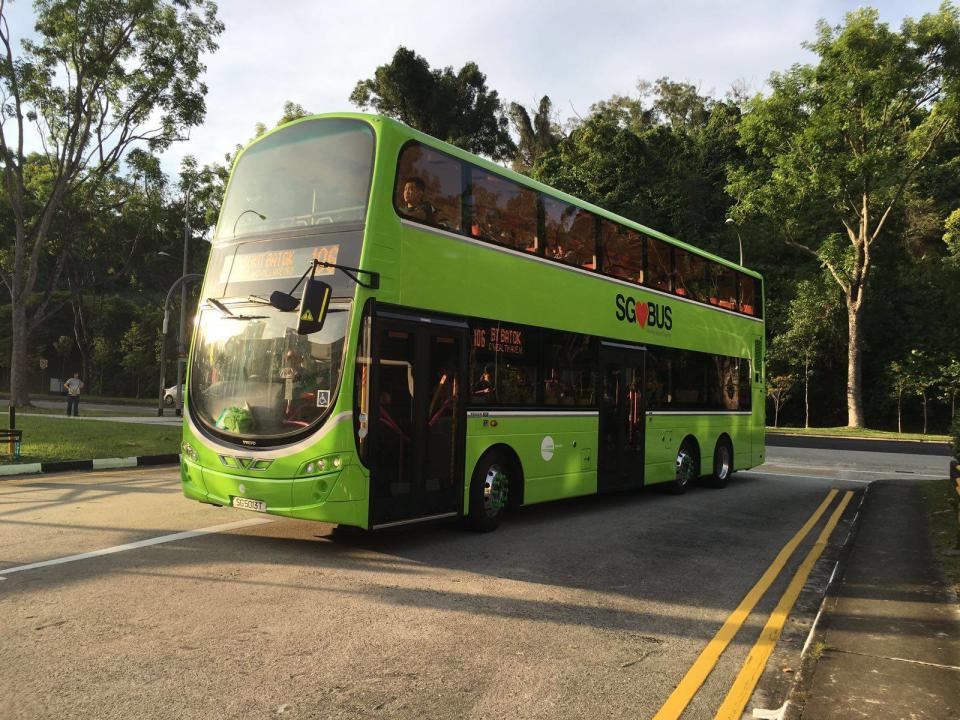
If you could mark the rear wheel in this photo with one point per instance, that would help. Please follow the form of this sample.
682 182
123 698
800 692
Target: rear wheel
688 468
722 464
489 489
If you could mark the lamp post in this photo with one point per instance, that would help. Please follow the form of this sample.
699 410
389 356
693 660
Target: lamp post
181 281
729 221
181 337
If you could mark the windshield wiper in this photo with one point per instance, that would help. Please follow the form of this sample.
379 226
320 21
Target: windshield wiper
230 315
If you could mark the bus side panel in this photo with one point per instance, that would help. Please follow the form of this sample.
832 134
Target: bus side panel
666 432
557 454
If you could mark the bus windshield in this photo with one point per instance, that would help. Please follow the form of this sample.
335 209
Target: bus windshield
254 377
316 172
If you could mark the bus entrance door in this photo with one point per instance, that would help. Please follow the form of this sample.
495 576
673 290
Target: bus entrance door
622 417
417 442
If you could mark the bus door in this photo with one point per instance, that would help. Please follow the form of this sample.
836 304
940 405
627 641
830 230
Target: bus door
620 461
417 440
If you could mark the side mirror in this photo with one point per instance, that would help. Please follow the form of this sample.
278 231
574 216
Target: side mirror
313 306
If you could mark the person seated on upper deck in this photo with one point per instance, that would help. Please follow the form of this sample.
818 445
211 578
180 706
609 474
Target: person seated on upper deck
413 205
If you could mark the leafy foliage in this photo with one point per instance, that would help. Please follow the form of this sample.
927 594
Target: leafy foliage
453 106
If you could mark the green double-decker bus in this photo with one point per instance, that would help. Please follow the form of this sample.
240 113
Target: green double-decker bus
392 330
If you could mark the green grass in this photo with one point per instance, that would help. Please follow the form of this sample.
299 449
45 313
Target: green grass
62 438
859 433
944 527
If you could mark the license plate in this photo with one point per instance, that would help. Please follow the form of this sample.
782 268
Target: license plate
248 504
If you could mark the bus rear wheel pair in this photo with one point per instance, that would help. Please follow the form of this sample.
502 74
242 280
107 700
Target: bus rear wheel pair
688 465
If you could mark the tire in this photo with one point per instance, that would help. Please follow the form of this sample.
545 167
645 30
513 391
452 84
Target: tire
688 468
489 490
722 464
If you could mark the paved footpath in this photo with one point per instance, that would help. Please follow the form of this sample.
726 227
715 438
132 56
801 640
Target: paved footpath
890 630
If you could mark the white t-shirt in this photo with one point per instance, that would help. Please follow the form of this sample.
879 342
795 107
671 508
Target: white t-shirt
73 386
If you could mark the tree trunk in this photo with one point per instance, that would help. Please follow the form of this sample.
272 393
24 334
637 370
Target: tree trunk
806 394
776 413
854 368
899 415
924 396
19 361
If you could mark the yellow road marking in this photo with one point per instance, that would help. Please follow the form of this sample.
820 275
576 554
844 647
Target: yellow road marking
749 676
698 672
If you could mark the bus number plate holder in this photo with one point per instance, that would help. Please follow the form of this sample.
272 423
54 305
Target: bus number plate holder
248 504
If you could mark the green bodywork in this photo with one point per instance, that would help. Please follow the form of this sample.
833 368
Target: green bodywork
444 273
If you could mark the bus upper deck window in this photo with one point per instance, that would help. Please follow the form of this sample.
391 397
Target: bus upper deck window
429 187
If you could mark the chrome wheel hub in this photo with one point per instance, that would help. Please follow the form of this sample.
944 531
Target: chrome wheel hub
684 467
495 487
722 469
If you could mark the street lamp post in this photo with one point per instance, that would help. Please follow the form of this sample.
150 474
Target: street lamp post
729 221
181 281
181 337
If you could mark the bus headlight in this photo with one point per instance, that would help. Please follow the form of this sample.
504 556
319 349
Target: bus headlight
318 466
188 451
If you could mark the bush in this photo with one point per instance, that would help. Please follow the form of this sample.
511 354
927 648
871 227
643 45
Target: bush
955 434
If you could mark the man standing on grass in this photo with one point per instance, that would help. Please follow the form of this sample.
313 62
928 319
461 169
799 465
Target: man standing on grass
73 386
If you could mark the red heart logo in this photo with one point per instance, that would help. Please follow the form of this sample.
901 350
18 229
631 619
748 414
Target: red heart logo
643 312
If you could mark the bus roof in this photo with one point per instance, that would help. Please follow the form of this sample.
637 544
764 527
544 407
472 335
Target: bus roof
403 129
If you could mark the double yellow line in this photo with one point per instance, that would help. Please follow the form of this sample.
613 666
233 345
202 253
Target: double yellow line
739 694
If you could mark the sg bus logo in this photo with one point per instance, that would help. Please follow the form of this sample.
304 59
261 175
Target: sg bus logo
644 314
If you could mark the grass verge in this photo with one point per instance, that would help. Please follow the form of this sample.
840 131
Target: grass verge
61 438
859 433
941 503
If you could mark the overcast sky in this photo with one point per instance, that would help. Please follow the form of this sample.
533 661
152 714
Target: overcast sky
314 51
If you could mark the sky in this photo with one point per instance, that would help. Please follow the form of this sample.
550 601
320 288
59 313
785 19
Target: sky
313 52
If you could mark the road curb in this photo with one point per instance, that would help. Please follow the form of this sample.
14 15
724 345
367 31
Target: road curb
7 471
839 442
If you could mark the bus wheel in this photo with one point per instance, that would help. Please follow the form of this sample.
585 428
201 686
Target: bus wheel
722 464
688 468
488 492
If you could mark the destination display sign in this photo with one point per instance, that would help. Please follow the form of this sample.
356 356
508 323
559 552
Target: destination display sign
274 264
499 339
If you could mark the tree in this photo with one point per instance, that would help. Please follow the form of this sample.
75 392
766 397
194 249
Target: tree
99 79
810 334
779 388
952 237
950 384
454 106
899 382
538 134
836 146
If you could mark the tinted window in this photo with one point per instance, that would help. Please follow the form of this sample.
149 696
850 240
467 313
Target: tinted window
690 277
429 187
503 212
721 286
316 172
658 271
569 369
749 298
571 233
687 380
622 251
503 364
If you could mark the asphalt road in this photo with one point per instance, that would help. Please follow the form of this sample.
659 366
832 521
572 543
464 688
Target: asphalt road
591 608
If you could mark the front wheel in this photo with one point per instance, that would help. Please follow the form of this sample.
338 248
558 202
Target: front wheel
688 468
489 489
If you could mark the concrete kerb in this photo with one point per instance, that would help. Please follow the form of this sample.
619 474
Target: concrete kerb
792 708
10 471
